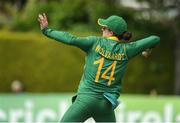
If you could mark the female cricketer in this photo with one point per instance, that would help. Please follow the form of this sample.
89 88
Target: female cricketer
105 64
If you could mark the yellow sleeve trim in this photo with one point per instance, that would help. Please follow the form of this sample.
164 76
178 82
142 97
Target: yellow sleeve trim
125 51
113 38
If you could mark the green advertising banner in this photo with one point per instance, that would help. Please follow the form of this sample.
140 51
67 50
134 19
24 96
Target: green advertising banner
45 108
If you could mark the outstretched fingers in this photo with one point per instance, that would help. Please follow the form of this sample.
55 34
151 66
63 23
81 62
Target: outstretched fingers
42 18
45 17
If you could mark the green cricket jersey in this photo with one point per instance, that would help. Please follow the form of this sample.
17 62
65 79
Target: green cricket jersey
106 59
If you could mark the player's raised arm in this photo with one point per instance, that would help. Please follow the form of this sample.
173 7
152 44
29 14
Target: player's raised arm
134 48
85 43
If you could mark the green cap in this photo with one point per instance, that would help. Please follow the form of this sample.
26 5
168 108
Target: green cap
115 23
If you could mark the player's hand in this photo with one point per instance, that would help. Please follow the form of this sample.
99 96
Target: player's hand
146 53
42 18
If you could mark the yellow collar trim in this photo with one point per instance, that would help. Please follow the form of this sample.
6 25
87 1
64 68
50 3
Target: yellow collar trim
113 38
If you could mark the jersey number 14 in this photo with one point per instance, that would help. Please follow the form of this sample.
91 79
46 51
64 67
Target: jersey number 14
104 74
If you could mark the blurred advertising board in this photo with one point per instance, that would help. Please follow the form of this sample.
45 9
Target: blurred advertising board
45 108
